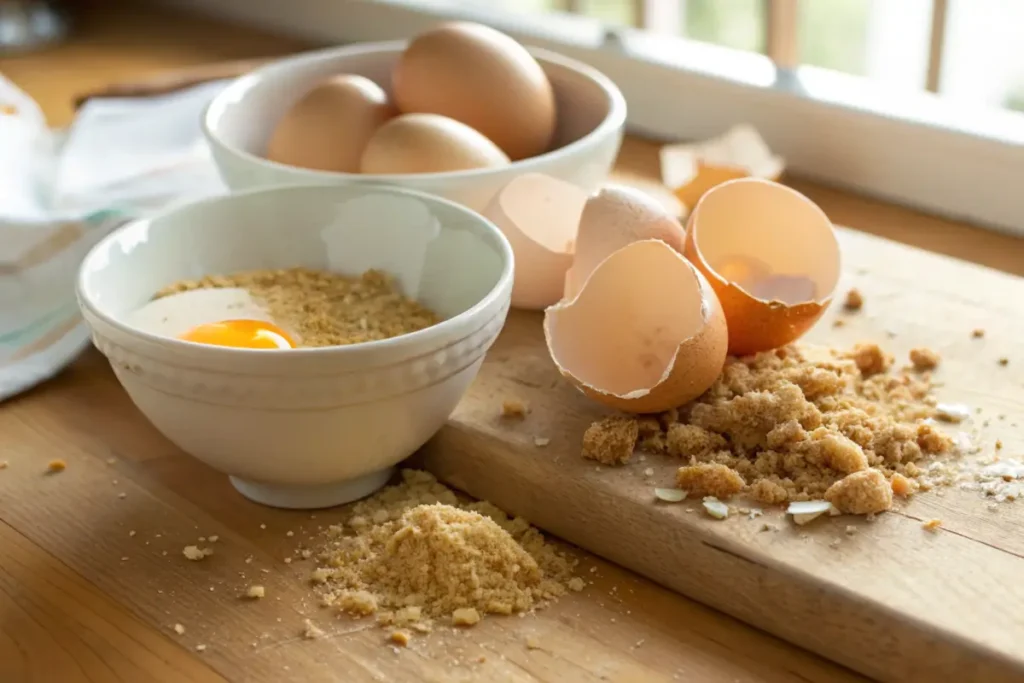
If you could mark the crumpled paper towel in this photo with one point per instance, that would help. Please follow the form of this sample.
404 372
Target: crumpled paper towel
62 191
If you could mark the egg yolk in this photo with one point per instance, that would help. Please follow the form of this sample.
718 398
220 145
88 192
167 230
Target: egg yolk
242 334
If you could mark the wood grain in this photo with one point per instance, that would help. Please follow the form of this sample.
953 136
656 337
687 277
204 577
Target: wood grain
894 601
72 610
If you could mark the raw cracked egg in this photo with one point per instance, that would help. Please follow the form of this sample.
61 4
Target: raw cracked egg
646 332
428 143
329 127
770 254
221 317
539 215
614 217
483 78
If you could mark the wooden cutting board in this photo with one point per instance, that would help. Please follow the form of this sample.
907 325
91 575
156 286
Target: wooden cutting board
892 601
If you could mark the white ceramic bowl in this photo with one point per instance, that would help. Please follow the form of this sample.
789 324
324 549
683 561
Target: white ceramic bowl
239 122
303 428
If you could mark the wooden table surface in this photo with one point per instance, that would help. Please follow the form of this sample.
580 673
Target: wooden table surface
82 598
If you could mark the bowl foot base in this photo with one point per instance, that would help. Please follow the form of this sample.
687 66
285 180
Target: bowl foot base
315 496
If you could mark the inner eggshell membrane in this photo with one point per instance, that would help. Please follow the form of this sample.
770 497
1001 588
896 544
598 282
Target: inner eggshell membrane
539 215
626 339
771 255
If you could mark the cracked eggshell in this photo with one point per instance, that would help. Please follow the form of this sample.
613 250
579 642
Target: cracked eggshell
772 257
645 334
614 217
539 215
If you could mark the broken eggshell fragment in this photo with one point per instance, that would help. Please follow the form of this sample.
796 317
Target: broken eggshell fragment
613 218
539 215
771 256
645 334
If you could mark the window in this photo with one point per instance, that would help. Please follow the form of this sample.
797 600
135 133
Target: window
915 101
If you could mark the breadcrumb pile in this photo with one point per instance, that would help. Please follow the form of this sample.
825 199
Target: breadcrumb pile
414 553
796 424
324 308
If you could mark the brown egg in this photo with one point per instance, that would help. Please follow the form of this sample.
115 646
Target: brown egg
428 143
614 217
329 127
645 334
771 255
483 78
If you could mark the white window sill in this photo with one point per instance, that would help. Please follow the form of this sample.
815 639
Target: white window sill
909 148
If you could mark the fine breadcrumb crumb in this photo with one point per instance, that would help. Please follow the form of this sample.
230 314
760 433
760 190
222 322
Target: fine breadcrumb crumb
611 441
532 642
195 553
575 584
56 466
322 308
514 408
256 592
924 358
540 441
901 486
1004 361
854 300
179 629
413 552
465 616
977 333
311 631
200 648
709 479
400 638
932 525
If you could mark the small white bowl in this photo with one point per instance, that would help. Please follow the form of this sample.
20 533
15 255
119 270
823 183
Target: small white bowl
240 119
303 428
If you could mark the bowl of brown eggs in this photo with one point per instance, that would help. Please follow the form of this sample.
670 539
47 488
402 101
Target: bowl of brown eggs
458 111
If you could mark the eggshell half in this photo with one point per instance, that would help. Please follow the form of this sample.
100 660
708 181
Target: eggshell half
645 334
693 169
772 257
539 215
614 217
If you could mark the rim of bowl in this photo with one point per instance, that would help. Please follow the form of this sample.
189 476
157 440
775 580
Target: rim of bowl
391 343
615 118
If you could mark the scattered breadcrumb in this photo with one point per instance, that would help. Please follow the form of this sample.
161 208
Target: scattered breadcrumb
1004 361
200 648
861 493
924 358
611 441
311 631
413 552
978 333
541 441
788 424
323 308
56 466
932 524
256 592
179 629
854 300
3 464
514 408
401 638
575 584
465 616
999 445
709 479
213 539
532 642
122 495
195 553
851 530
838 322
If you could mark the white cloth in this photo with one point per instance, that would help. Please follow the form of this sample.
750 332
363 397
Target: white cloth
62 191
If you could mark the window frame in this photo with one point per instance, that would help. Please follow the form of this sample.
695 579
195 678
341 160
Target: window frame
909 148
